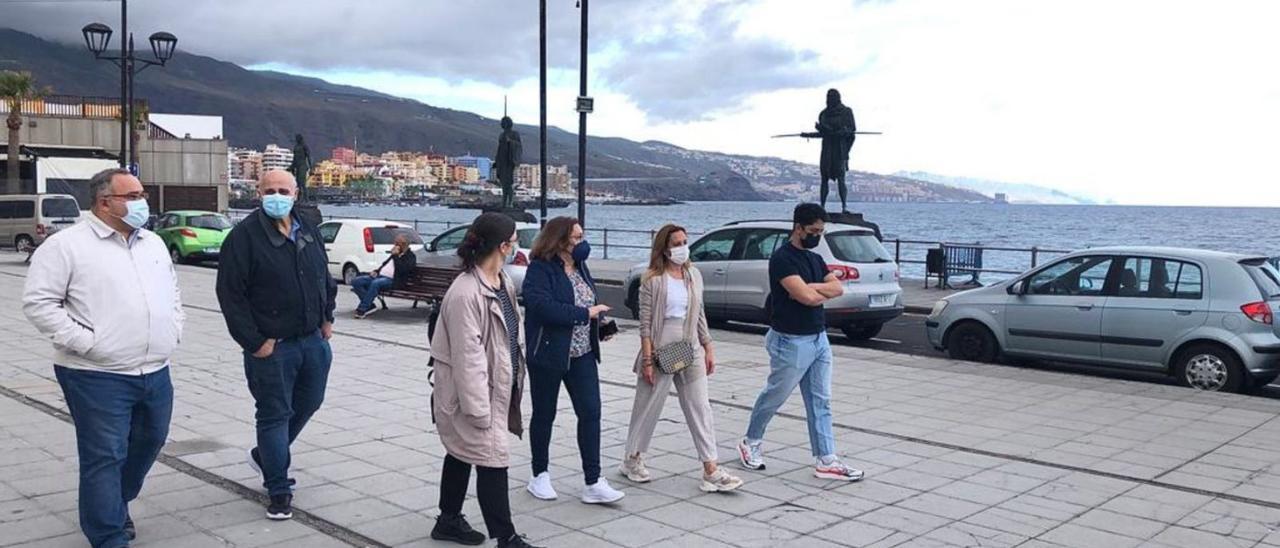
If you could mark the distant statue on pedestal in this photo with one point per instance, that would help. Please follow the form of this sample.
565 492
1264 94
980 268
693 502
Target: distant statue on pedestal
301 166
838 130
507 159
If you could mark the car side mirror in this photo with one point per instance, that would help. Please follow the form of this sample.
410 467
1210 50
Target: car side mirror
1019 289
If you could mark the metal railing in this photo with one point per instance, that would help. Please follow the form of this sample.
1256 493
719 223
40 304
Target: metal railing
75 106
1034 252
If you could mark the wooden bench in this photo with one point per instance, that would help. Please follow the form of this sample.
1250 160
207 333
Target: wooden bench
951 260
425 284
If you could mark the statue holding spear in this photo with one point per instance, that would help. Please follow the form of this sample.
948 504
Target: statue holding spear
837 129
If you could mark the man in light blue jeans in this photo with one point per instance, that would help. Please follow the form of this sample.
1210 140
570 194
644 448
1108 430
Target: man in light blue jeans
799 352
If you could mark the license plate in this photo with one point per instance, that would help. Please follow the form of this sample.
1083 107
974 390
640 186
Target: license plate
878 301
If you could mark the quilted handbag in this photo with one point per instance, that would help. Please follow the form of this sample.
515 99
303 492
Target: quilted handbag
674 357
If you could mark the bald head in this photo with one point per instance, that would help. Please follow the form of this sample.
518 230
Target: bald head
281 182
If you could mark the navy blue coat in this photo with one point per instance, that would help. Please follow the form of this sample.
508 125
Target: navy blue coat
550 314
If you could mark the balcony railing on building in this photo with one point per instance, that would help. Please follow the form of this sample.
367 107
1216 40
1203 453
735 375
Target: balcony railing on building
76 106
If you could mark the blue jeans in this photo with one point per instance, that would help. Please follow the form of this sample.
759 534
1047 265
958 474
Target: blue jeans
121 423
582 380
287 387
803 360
367 287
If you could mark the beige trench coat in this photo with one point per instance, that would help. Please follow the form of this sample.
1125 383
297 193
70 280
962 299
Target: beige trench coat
476 399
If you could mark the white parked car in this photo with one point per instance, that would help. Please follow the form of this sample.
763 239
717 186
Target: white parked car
443 250
358 246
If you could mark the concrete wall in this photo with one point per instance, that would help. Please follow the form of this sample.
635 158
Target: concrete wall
162 162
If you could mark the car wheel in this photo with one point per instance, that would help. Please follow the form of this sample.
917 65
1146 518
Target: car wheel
1212 368
23 243
972 341
858 332
349 273
175 255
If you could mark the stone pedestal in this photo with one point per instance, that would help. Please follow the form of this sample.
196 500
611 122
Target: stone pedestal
855 219
309 213
517 215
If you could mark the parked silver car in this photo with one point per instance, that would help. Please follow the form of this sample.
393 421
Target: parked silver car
443 251
1205 317
734 260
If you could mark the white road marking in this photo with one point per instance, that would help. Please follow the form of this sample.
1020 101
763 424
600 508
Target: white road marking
890 341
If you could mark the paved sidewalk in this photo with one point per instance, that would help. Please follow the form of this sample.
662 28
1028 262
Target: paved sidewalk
957 454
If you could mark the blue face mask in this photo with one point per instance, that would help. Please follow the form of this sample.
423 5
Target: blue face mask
277 206
139 212
581 252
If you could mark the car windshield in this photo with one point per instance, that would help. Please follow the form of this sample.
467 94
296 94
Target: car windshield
857 247
210 221
386 235
527 236
59 207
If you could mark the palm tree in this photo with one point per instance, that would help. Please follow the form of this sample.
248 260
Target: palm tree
16 87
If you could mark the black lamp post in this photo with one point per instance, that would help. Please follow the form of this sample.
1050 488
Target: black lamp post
97 37
585 105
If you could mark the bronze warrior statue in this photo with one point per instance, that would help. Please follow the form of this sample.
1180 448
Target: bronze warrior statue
508 157
837 129
301 166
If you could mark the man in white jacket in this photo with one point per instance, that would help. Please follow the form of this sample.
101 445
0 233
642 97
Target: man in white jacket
105 293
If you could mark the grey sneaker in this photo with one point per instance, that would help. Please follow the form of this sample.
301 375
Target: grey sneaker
751 455
720 482
633 468
836 470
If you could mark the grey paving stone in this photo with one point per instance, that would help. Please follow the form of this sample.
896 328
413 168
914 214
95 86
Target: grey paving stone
633 531
1077 535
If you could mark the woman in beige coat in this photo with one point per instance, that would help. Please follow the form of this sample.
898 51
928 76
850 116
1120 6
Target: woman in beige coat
479 374
671 311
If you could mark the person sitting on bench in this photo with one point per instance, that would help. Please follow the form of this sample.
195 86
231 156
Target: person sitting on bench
391 274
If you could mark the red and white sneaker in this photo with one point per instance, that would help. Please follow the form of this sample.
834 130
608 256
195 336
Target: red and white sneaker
751 454
836 470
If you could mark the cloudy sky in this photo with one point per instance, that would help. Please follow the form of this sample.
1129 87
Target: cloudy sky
1171 102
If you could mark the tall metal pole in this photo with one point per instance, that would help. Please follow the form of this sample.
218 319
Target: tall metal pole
582 125
124 83
542 109
133 152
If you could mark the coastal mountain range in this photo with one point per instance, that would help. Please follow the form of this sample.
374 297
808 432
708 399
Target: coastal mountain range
261 107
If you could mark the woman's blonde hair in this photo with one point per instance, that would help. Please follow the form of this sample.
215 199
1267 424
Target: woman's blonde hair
658 259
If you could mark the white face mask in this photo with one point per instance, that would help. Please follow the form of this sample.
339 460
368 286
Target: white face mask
680 255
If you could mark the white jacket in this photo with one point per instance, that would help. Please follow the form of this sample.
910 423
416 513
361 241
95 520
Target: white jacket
106 303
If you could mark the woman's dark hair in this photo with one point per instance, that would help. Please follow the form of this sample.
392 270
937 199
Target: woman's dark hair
553 238
486 234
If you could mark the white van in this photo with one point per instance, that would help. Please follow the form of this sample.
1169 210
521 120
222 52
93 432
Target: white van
27 219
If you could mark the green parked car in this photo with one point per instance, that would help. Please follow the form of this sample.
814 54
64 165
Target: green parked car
193 236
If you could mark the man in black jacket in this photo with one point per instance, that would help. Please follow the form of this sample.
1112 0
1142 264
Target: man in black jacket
392 273
277 298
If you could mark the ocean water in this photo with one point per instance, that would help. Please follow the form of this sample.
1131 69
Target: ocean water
1243 230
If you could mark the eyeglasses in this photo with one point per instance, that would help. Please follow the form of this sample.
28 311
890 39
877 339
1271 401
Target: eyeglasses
280 191
129 196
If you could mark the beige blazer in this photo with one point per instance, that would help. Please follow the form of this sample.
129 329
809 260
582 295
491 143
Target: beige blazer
653 303
475 402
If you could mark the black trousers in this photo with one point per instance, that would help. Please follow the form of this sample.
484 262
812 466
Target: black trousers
491 490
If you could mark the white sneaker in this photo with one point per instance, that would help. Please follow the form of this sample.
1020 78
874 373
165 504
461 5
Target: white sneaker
601 493
751 455
633 468
540 487
836 470
720 482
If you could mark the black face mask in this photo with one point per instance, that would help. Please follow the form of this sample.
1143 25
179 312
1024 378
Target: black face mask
810 241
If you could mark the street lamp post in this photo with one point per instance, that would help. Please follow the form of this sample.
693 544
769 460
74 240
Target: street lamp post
542 109
97 37
584 107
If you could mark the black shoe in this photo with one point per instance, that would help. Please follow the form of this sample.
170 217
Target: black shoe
281 507
516 541
130 532
455 528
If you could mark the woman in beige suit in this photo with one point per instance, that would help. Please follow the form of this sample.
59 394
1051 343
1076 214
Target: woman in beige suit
479 372
671 311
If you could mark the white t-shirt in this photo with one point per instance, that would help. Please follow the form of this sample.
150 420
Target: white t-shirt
388 271
677 297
